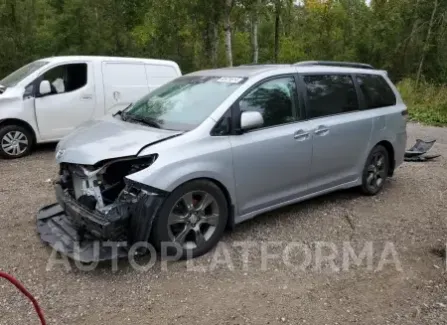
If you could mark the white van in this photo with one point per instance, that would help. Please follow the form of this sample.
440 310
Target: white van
48 98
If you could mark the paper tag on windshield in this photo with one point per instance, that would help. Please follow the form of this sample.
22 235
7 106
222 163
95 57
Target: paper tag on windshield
230 80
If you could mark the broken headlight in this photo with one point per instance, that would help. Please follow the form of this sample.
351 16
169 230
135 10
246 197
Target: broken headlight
135 188
100 185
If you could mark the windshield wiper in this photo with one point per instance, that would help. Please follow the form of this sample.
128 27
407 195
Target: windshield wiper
145 120
121 112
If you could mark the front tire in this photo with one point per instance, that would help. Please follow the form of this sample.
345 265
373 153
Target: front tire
375 171
193 217
15 142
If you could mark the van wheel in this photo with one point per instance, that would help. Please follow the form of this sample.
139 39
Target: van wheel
375 171
15 142
191 221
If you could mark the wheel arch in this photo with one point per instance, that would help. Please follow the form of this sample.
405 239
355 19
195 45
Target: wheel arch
391 155
19 122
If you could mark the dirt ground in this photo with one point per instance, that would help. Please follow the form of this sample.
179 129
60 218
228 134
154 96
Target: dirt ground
408 218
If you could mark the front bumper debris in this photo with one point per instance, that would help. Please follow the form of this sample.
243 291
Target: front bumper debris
57 229
91 236
418 151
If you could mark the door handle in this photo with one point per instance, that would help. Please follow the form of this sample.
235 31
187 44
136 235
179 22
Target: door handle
301 135
86 97
321 130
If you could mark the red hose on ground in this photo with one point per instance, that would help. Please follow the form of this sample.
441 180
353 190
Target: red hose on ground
19 286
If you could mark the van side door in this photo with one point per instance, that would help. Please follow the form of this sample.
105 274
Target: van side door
71 101
124 83
341 130
158 74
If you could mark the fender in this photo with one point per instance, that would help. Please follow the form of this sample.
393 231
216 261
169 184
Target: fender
15 109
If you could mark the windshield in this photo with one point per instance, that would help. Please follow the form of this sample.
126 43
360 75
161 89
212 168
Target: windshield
183 103
18 75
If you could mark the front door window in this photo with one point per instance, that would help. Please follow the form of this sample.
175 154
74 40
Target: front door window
66 78
274 99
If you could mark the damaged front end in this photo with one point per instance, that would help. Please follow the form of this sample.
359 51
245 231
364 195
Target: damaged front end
100 213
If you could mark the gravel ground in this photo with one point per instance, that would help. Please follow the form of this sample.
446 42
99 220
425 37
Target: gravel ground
408 218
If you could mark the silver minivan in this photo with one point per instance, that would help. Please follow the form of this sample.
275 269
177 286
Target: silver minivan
214 148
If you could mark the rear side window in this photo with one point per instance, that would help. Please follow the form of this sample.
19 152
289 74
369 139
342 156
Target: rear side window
376 91
330 94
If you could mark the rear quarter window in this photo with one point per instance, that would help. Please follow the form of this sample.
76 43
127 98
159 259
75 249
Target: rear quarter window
376 91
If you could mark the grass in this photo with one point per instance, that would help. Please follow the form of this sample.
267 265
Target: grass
427 103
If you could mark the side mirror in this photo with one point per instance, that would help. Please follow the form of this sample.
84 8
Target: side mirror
44 87
251 120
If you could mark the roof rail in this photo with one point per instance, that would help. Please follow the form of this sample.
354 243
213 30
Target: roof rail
336 64
258 64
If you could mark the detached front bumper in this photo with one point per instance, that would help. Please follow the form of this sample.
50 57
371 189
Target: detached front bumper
90 236
57 229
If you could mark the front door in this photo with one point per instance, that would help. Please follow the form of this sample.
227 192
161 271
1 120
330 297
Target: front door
341 131
70 103
271 163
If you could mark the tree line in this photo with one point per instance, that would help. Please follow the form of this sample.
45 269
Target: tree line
405 37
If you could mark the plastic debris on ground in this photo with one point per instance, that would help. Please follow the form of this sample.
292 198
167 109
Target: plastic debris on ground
417 153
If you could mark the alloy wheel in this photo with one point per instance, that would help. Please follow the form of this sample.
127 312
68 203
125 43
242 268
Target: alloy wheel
376 171
193 219
14 143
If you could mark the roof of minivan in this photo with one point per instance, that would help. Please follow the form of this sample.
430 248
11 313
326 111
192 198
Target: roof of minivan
104 58
252 70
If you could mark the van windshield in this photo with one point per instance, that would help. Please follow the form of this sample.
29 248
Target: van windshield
183 103
18 75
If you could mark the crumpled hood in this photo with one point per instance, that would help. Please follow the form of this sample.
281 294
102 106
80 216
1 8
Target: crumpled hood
107 138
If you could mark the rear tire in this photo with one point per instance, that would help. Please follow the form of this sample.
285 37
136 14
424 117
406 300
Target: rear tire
375 171
15 142
193 217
